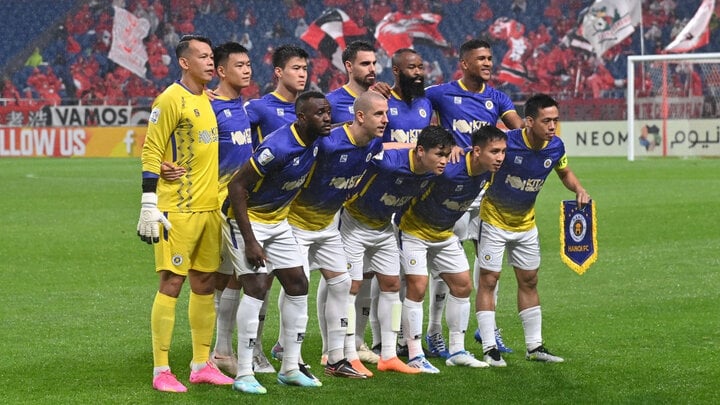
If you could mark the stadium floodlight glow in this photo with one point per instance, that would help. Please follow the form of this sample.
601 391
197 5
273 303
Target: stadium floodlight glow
678 93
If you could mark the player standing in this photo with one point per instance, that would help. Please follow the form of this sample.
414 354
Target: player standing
394 178
182 129
508 222
426 240
266 114
343 158
262 240
464 106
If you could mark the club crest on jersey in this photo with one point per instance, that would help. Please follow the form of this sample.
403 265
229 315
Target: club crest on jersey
296 161
518 160
177 259
343 158
457 100
351 110
578 226
422 112
227 112
197 112
547 163
315 151
458 188
489 105
265 157
280 112
368 157
393 111
154 115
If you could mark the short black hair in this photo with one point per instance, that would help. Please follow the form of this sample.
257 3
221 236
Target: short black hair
486 134
284 53
351 51
222 52
473 44
537 102
184 43
303 98
435 136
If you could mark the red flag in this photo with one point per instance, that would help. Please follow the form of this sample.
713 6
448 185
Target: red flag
512 68
399 30
329 33
696 32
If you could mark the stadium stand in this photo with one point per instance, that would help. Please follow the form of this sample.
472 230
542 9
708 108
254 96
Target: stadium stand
74 37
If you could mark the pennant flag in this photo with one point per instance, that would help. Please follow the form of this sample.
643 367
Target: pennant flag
696 33
578 235
330 33
399 30
127 48
607 22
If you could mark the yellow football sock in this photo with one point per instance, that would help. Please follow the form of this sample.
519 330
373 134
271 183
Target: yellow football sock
201 315
162 322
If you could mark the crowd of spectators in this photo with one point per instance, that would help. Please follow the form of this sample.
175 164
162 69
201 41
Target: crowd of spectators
75 67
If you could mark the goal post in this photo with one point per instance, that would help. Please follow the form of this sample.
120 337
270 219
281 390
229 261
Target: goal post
673 105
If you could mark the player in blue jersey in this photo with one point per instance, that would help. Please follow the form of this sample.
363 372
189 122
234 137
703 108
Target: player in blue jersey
262 241
508 223
233 68
359 60
343 158
182 129
426 239
275 109
409 111
469 103
462 107
266 114
393 179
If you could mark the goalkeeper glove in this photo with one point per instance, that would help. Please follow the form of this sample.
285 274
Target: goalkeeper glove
147 227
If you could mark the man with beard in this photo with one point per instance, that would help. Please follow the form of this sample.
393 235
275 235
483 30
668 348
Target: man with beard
359 60
409 110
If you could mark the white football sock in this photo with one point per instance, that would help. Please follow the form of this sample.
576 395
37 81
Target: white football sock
457 316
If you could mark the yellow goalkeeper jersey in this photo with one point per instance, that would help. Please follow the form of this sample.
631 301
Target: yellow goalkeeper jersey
182 129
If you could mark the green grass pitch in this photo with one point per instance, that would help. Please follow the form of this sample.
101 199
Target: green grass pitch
641 326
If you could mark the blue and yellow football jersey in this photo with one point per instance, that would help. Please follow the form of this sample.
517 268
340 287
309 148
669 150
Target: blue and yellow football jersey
283 162
432 215
389 184
406 121
268 113
235 145
509 202
338 169
182 129
341 101
461 111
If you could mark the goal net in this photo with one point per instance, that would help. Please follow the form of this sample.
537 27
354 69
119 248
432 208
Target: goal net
673 105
